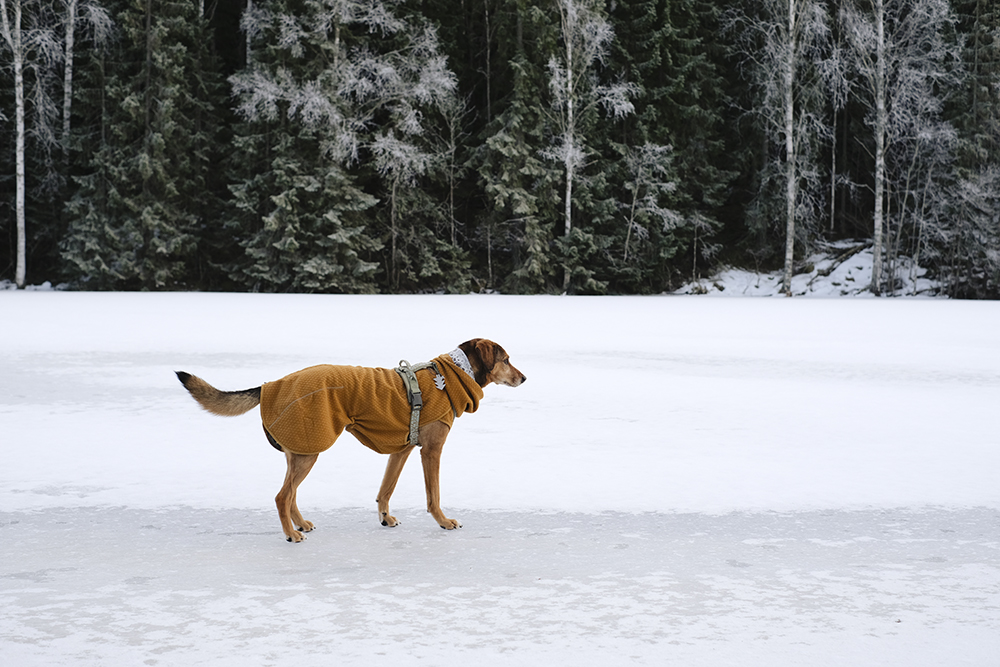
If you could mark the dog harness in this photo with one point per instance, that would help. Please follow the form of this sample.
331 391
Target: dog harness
305 412
409 374
413 394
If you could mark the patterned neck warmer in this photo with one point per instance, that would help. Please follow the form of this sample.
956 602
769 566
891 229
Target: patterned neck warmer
462 362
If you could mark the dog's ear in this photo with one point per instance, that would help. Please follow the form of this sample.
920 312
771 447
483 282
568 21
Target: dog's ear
481 367
487 351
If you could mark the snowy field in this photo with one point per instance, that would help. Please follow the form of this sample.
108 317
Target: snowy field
682 481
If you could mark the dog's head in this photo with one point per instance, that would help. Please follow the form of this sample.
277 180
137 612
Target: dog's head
491 363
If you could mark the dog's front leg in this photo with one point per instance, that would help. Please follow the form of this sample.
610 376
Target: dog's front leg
392 470
432 437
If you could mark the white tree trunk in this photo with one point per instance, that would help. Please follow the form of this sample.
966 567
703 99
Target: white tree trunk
881 127
567 215
489 64
569 145
12 35
791 176
249 45
833 172
68 74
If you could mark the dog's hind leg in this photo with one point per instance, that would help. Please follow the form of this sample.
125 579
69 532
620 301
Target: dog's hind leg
392 470
299 466
297 520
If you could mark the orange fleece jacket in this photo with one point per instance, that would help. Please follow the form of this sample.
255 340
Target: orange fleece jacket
305 412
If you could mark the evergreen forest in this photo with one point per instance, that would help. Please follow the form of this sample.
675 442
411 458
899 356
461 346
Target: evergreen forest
515 146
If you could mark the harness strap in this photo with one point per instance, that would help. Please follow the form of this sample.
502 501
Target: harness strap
409 375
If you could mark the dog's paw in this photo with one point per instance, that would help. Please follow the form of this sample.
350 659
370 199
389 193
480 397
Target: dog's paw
388 520
450 524
306 526
295 537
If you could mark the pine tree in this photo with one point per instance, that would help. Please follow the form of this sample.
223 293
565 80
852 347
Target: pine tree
297 214
138 215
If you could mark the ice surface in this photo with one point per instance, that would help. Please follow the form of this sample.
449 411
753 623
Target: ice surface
208 587
682 480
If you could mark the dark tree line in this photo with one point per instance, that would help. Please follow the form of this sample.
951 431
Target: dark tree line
529 147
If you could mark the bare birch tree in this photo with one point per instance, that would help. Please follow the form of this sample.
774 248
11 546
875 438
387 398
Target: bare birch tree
585 36
902 58
31 41
786 46
401 162
95 19
650 172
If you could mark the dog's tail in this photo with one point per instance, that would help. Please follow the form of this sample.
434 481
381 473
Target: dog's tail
225 403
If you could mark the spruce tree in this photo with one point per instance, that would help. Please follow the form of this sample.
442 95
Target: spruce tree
139 213
670 50
976 108
358 83
521 189
967 248
296 215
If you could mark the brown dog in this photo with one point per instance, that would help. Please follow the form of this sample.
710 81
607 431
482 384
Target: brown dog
304 413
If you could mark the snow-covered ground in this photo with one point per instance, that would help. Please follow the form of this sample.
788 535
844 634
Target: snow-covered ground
682 480
843 268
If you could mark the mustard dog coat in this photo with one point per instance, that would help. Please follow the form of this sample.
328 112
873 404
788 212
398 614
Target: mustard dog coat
306 412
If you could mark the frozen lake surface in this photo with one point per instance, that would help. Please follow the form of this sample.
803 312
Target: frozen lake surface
682 480
192 587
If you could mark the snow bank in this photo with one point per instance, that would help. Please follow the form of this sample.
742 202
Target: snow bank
843 269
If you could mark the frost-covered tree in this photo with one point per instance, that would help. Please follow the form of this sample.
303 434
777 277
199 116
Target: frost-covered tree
970 242
904 61
361 82
976 107
28 36
94 20
401 163
649 184
357 80
785 47
670 52
968 247
585 35
520 189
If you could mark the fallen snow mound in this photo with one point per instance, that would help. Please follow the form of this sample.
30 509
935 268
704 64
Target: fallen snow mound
840 269
44 287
